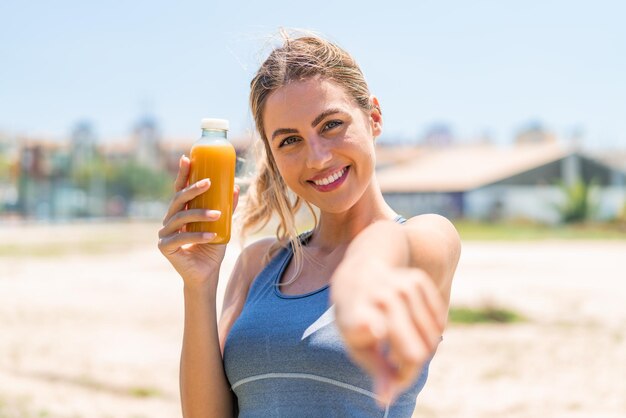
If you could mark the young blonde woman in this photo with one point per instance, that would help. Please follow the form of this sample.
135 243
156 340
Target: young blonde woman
340 321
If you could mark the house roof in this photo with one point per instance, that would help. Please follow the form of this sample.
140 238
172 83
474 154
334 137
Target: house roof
466 167
615 158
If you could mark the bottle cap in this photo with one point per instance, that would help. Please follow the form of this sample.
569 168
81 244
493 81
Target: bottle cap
211 123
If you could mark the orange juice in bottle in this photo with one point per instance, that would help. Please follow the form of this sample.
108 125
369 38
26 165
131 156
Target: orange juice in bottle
213 157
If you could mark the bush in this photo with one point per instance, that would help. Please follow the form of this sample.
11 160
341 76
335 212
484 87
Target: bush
128 179
578 205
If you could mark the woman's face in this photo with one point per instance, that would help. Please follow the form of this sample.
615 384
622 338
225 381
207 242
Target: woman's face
322 142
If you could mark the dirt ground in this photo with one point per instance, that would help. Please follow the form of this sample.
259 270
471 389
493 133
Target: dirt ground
97 334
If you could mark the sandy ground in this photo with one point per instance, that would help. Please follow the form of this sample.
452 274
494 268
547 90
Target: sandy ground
98 335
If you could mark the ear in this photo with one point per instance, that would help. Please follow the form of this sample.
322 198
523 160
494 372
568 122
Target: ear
376 116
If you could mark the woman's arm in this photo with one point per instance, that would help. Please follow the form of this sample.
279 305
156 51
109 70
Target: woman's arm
204 389
392 292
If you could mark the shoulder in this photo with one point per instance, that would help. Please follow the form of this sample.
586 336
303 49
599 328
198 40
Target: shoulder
434 234
435 246
433 226
252 260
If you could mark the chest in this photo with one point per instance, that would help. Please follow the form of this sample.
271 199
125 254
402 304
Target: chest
288 335
307 281
314 275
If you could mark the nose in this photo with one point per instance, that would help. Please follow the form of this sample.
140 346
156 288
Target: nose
318 153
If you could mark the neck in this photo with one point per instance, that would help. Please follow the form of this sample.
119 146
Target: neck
339 229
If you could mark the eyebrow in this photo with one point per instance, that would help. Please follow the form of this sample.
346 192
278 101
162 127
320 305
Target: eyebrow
322 115
318 119
283 131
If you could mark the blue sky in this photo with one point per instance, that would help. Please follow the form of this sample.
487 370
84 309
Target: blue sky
480 66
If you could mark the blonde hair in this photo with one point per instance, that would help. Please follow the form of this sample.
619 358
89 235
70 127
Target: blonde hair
298 59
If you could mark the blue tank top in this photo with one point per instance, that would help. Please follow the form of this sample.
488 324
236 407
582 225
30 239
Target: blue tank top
284 356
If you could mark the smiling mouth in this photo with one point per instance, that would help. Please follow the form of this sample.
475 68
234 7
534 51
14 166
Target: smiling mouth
332 181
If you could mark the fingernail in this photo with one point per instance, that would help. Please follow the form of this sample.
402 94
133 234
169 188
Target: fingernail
213 213
382 389
209 235
393 392
381 400
203 182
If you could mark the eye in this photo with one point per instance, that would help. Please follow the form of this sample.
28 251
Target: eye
287 141
332 124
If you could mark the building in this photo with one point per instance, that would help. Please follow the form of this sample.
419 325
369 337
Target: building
146 140
43 182
48 179
487 182
83 143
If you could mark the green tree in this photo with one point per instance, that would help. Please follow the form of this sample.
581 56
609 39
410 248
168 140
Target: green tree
135 181
578 205
5 168
83 175
128 179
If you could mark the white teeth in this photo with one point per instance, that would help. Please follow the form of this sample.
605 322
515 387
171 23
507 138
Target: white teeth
330 179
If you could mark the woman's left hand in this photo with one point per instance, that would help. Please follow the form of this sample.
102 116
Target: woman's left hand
391 320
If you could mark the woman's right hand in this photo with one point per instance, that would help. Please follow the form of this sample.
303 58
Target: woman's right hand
191 253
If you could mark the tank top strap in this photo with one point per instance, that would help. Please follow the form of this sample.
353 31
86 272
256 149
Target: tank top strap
265 280
267 277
